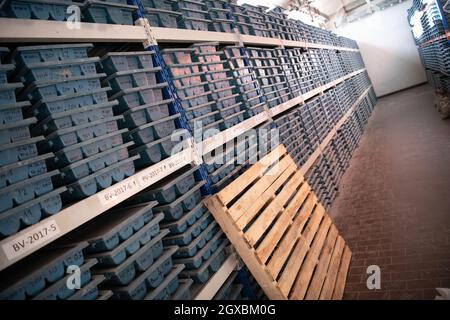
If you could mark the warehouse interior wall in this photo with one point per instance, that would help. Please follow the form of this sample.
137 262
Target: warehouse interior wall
388 49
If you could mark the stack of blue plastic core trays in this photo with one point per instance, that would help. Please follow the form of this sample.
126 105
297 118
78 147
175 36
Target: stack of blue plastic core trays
343 97
342 148
27 191
298 30
127 242
305 31
143 103
323 127
342 151
256 19
313 176
436 56
194 15
331 109
336 66
290 32
36 9
226 96
44 276
220 15
75 117
270 75
349 136
321 180
270 21
332 70
308 127
193 89
339 65
98 11
431 21
245 80
319 73
308 78
288 65
160 13
254 286
241 19
334 175
228 162
296 66
190 226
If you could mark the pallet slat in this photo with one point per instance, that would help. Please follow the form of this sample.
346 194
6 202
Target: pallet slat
342 275
282 232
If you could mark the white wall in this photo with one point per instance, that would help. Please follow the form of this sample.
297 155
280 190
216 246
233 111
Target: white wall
388 49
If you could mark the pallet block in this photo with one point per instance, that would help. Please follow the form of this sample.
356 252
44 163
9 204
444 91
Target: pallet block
282 232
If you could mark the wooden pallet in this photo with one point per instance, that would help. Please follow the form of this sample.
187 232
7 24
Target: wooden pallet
282 232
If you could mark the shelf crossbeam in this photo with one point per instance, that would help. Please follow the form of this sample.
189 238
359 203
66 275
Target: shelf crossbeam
30 30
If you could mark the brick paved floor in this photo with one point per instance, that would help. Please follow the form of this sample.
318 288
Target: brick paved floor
394 205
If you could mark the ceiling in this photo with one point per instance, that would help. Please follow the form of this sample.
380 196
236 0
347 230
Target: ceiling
329 13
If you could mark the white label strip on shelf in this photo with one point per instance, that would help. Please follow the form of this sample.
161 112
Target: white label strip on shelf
24 243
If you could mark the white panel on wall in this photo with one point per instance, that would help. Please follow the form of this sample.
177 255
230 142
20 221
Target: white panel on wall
388 49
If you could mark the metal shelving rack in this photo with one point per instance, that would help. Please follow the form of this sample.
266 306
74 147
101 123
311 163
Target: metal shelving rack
72 217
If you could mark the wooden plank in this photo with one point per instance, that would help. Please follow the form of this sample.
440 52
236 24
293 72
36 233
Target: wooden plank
247 200
264 221
271 240
324 261
269 194
282 253
301 285
330 280
219 211
303 246
256 171
342 274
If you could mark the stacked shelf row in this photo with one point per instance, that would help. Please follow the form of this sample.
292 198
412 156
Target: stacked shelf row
429 23
94 125
203 15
